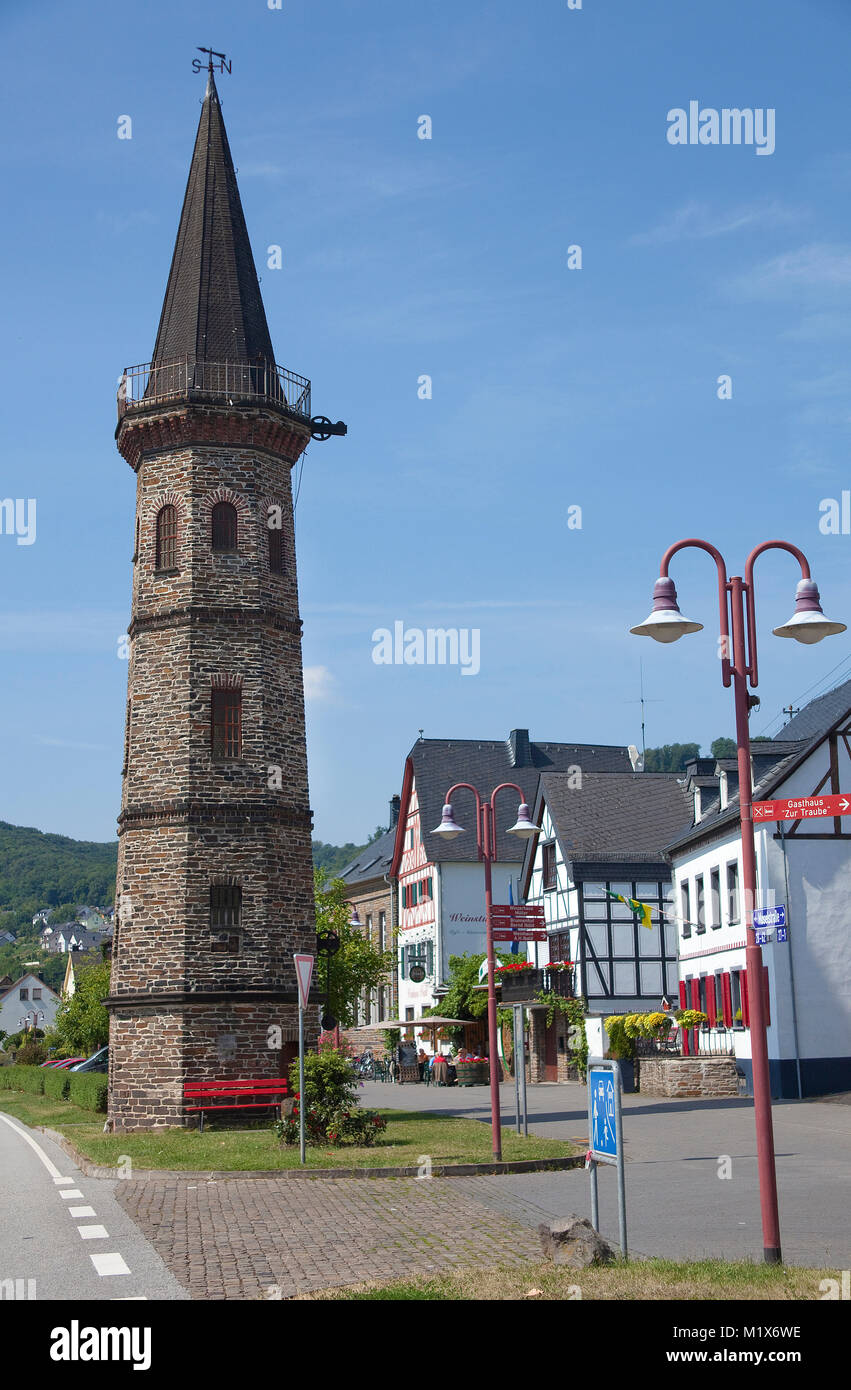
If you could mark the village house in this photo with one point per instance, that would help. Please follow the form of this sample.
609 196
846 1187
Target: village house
601 840
805 866
370 892
439 883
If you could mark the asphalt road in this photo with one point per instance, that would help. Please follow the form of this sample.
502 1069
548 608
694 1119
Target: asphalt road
63 1235
678 1204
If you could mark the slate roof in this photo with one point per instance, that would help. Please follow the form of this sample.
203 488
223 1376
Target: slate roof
373 862
438 763
791 747
616 817
819 715
212 310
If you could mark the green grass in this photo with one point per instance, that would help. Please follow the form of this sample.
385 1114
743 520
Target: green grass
409 1135
626 1280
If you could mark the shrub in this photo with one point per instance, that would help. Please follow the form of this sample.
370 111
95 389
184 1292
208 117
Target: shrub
57 1084
23 1078
330 1096
87 1089
621 1044
691 1018
31 1054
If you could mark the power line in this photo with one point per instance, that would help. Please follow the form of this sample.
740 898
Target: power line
817 686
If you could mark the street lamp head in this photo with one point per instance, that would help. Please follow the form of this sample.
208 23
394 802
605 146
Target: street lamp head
808 623
354 920
666 623
524 827
447 828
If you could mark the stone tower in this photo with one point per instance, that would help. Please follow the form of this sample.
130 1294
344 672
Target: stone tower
214 890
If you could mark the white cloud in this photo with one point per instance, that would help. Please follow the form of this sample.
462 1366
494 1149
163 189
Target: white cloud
819 266
695 221
318 683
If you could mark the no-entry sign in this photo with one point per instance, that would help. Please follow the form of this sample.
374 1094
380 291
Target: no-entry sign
802 808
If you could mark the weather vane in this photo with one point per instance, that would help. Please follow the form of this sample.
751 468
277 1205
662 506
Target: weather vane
223 65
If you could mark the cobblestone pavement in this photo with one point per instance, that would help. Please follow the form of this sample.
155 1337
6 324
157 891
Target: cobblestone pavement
237 1238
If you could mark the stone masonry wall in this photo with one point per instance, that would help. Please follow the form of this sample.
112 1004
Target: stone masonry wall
688 1076
189 821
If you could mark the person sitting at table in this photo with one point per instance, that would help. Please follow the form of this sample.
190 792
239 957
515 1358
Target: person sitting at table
422 1060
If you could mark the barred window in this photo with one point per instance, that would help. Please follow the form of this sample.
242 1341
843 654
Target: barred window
276 550
225 905
224 526
227 723
167 538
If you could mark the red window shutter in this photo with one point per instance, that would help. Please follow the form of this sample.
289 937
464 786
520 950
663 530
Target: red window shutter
743 985
727 999
683 1001
766 1000
710 999
695 993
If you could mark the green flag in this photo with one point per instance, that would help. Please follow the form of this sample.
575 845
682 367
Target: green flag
642 910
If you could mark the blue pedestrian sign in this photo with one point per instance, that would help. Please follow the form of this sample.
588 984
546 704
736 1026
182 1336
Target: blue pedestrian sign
782 933
604 1133
770 917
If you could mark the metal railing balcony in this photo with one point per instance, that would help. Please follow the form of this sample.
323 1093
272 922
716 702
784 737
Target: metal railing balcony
221 383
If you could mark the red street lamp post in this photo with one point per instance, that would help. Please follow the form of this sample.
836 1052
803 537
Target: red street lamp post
808 624
525 829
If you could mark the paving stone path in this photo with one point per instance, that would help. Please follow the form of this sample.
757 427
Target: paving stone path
241 1238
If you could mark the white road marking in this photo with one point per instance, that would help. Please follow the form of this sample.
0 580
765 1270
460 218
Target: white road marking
60 1181
82 1211
93 1232
71 1192
51 1167
109 1264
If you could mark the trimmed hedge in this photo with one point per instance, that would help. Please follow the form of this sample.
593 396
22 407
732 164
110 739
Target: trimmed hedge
86 1089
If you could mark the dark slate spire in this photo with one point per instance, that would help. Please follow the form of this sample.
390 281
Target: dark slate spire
212 310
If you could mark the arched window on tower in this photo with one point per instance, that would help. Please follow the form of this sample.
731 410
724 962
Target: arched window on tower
167 538
276 550
224 526
226 731
225 917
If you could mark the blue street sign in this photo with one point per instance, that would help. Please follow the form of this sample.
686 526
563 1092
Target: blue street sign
604 1134
782 933
770 916
762 938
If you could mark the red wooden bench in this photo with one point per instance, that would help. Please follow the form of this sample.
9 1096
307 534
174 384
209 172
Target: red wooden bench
234 1095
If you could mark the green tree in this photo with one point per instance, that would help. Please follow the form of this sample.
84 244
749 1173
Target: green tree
358 967
82 1022
723 748
671 757
463 1000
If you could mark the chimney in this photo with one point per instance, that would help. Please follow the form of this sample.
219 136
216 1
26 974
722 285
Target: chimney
395 807
519 749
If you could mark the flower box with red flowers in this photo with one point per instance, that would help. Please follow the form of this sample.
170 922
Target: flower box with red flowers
519 982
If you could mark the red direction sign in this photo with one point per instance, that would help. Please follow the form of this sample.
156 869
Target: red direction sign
518 934
303 974
525 916
802 808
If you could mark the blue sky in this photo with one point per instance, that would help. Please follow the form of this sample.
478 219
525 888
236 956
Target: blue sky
448 257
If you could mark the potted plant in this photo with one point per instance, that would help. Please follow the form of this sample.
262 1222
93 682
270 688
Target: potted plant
622 1049
472 1071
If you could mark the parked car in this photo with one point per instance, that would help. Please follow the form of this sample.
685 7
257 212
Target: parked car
99 1061
62 1063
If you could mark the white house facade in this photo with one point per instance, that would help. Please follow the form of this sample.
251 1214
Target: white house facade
806 867
29 1002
